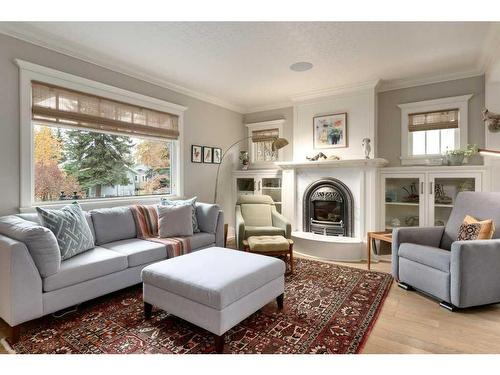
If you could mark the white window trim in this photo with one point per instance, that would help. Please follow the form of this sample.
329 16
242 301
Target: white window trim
460 102
274 124
29 72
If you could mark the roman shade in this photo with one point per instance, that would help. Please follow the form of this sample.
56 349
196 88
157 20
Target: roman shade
436 120
57 105
265 135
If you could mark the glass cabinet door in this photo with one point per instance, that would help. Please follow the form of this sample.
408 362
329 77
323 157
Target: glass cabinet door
272 186
403 201
245 186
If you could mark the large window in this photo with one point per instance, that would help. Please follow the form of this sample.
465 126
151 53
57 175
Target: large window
262 135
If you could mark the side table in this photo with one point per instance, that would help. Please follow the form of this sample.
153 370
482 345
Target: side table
370 242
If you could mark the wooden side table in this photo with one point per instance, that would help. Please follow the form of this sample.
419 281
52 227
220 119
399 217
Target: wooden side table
370 241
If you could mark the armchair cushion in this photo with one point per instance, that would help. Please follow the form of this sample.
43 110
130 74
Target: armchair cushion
263 231
257 214
426 255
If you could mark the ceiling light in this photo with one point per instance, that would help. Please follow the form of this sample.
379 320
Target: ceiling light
301 66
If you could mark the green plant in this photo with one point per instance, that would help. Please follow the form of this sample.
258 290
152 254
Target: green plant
468 151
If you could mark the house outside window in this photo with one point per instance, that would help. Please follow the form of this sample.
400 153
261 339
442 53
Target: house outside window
430 128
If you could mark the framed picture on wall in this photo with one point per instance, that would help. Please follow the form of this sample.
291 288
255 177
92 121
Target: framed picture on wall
330 131
207 154
196 154
216 155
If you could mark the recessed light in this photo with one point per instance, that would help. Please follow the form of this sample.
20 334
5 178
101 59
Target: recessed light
301 66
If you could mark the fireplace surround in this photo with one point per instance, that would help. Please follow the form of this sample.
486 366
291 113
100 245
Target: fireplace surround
328 208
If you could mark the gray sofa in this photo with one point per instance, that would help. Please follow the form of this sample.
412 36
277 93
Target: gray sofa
115 263
458 273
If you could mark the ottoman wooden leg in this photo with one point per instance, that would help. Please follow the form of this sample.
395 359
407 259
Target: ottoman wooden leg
279 301
148 310
15 334
219 343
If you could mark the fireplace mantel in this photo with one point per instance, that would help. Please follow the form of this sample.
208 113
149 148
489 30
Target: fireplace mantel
347 163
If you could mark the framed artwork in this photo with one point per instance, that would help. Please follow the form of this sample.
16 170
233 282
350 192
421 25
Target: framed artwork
216 155
207 154
330 131
196 154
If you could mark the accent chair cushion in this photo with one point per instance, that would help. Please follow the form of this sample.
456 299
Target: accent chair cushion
263 231
487 227
268 243
70 227
429 256
41 242
86 266
257 215
113 224
175 221
188 202
138 251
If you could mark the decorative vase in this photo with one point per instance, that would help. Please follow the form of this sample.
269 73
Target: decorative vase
455 159
244 159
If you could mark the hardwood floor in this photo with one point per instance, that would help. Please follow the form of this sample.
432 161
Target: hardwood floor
412 323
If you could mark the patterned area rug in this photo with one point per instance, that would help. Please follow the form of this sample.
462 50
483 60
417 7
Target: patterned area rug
328 309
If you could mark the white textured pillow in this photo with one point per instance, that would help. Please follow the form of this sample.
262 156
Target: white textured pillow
175 221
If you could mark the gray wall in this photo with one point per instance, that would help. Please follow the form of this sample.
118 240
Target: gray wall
389 114
275 114
204 123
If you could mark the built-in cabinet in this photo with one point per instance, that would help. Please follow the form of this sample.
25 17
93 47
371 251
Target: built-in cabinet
424 196
259 182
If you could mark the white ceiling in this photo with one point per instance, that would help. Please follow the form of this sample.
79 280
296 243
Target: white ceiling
245 66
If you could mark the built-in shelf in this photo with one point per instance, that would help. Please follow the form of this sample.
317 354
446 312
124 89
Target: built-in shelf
271 188
443 205
401 204
348 163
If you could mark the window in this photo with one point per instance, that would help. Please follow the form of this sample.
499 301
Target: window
430 128
84 140
262 135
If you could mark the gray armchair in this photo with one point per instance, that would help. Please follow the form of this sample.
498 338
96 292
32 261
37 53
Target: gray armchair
459 273
256 215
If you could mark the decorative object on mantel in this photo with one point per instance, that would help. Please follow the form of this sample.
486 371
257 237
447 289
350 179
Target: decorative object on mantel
492 120
277 144
367 148
457 157
244 160
196 154
333 157
317 157
330 131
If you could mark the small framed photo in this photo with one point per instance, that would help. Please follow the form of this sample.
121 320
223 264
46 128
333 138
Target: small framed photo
207 154
196 154
216 155
330 131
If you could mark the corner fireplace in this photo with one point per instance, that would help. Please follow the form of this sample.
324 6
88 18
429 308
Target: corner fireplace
328 208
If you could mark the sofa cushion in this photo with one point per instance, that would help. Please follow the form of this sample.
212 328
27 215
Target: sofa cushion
207 215
41 242
86 266
263 231
138 251
188 202
113 224
214 277
70 228
201 239
426 255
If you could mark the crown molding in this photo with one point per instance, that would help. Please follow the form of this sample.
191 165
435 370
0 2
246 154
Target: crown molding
69 50
270 107
491 48
333 91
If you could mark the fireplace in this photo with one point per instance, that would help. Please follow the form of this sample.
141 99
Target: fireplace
328 208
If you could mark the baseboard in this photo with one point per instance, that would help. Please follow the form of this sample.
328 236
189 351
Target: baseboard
7 346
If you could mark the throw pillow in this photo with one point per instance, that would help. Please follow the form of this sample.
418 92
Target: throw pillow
188 202
174 221
70 227
468 232
487 227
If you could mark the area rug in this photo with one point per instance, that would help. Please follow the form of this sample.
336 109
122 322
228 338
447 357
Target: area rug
328 309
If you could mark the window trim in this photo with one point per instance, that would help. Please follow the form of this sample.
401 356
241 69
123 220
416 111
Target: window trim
32 72
461 102
264 125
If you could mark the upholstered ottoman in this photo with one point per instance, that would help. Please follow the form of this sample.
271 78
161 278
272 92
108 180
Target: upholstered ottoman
270 245
214 288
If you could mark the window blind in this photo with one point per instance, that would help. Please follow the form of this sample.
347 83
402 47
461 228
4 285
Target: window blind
58 105
265 135
433 120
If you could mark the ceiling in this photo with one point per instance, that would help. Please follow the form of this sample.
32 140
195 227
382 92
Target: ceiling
245 65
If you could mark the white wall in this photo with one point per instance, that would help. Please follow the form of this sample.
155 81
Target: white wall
492 103
361 117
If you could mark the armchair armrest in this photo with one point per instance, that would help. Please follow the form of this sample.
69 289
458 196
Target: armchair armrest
239 228
429 236
282 222
475 272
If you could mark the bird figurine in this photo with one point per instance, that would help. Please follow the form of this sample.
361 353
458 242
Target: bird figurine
366 147
492 120
316 157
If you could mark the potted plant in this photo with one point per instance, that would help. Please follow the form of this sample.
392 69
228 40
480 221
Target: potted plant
456 157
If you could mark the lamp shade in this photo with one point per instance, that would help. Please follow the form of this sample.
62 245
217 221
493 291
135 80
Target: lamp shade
279 143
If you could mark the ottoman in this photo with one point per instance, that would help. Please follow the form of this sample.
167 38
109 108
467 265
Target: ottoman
214 288
270 245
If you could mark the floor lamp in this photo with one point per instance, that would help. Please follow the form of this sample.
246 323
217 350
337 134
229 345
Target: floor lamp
277 144
486 152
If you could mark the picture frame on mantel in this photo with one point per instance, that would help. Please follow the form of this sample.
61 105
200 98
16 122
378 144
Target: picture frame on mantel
330 131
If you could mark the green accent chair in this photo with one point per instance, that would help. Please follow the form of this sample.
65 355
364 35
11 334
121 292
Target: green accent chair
256 215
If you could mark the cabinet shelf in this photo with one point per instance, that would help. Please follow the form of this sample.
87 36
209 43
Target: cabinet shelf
401 204
443 205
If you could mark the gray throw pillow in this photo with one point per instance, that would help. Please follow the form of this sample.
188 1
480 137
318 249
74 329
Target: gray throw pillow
41 242
113 224
188 202
70 227
174 221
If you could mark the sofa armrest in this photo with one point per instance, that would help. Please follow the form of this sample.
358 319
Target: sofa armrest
239 228
282 222
428 236
20 283
219 231
475 272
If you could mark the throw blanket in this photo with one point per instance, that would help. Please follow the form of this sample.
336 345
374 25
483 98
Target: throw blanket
146 223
